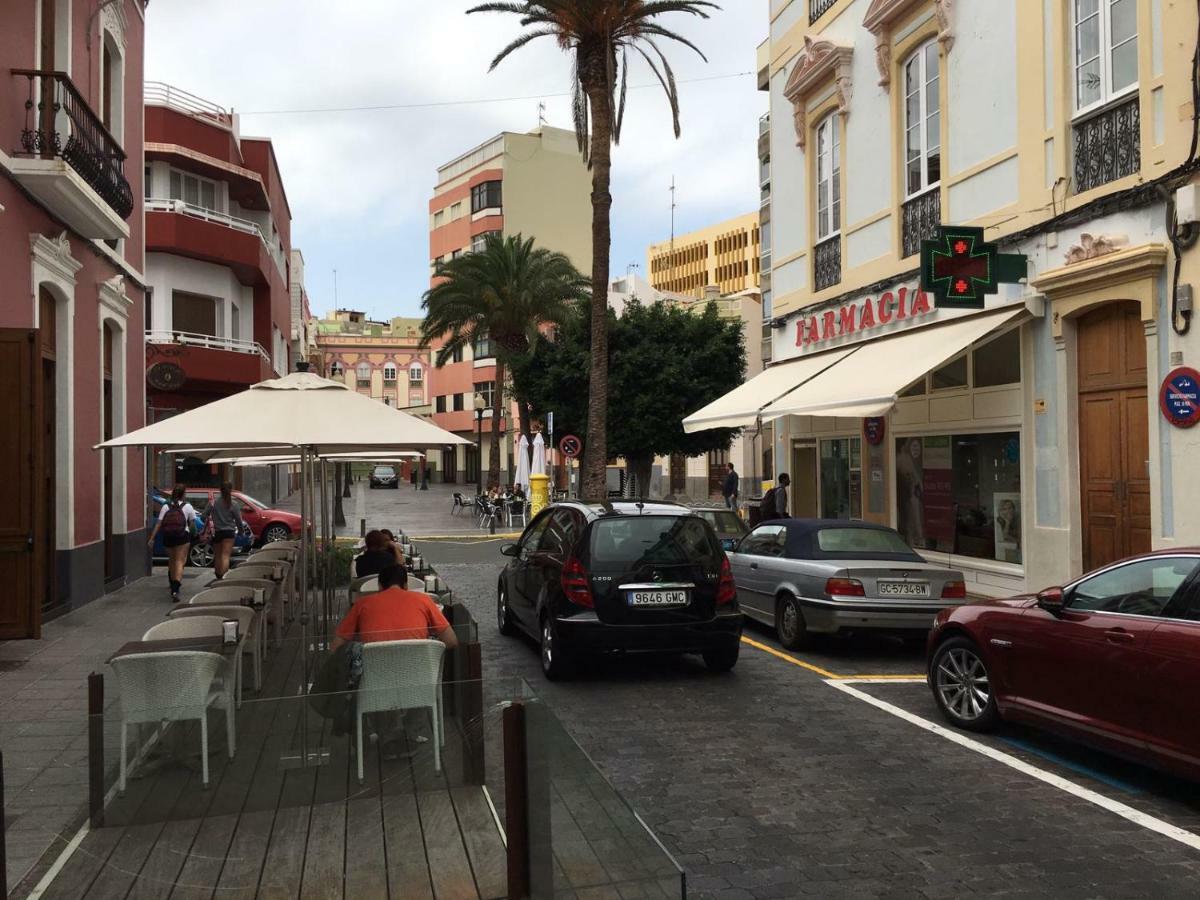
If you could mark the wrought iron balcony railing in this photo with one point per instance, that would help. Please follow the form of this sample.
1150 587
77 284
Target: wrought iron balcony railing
920 218
1108 145
59 124
818 8
827 263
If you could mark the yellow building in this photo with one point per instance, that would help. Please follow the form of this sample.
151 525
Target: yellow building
725 255
382 360
1022 442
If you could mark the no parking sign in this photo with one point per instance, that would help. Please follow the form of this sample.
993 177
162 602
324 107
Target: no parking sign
1180 397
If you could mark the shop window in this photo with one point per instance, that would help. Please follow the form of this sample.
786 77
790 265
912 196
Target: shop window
841 478
999 361
952 375
961 494
916 389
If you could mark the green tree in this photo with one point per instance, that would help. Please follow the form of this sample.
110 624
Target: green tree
507 291
599 35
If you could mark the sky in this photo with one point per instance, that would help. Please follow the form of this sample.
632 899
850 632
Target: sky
359 181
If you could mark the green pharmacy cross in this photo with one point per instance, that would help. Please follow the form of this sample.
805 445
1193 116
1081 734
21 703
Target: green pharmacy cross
960 268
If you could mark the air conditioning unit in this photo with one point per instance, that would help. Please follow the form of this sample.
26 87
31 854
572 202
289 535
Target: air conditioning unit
1187 204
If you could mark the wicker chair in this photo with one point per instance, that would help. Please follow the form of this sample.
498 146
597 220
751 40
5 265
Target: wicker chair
251 640
173 686
279 596
400 675
232 591
368 584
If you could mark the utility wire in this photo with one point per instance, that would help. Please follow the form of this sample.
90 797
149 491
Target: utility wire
437 103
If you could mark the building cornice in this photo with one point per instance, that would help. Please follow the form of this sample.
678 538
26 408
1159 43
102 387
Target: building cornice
820 61
883 16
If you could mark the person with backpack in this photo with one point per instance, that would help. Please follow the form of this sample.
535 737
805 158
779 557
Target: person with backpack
177 522
775 501
226 521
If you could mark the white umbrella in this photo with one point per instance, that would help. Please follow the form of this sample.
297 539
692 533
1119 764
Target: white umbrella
539 454
523 461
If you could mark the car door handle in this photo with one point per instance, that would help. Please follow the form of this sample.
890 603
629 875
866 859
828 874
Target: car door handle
1118 636
754 565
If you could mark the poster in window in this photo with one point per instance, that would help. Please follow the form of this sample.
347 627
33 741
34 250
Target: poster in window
1007 509
938 493
909 477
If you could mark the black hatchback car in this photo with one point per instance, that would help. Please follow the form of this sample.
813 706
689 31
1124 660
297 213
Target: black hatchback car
621 576
384 477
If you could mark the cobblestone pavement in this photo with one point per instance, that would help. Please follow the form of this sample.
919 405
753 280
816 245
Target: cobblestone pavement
768 782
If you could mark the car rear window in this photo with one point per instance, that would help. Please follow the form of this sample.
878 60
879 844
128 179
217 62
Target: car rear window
860 540
723 520
651 539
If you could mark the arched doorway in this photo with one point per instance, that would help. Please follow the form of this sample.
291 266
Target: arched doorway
1114 443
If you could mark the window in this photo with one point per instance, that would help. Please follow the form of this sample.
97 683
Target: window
829 168
485 196
765 540
438 218
458 403
455 211
961 494
363 373
952 375
482 348
193 314
439 404
637 541
416 373
456 355
1141 588
1105 50
194 190
922 121
389 372
487 390
999 361
479 242
147 183
841 478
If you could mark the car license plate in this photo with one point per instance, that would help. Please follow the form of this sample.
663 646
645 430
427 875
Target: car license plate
658 598
903 589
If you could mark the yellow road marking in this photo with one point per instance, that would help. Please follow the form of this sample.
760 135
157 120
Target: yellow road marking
504 536
833 676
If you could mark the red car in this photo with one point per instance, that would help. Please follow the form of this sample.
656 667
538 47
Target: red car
267 524
1112 660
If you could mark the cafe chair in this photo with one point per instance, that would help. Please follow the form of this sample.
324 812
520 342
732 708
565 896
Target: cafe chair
460 504
248 636
400 675
272 554
368 584
279 596
173 686
518 509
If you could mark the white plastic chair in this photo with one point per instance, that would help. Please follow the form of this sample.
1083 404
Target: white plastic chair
250 639
400 675
368 584
173 686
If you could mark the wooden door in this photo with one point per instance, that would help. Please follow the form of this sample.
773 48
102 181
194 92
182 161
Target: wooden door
1114 449
804 481
21 553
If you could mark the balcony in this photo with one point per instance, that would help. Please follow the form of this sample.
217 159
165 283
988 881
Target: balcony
827 263
919 221
1107 145
68 160
173 226
818 8
202 363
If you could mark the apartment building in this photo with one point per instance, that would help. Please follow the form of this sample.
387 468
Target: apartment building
381 360
71 305
1023 443
304 333
725 256
536 185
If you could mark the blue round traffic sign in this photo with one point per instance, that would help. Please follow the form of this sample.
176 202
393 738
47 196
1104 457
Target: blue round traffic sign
1180 397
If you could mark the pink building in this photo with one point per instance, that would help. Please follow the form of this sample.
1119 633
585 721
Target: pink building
72 355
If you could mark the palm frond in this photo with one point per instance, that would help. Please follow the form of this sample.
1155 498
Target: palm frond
620 117
519 43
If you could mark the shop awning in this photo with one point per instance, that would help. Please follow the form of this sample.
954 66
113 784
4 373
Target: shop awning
741 406
867 383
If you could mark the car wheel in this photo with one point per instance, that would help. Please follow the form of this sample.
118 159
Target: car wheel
554 663
962 685
503 613
201 556
789 623
276 532
722 659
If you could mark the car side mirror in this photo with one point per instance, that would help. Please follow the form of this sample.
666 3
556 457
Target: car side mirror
510 550
1052 600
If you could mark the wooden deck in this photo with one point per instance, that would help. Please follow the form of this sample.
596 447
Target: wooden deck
266 831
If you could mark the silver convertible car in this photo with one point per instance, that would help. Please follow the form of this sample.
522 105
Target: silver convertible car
822 576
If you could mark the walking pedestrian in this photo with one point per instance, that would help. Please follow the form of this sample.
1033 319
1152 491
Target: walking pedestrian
729 490
177 522
227 522
775 501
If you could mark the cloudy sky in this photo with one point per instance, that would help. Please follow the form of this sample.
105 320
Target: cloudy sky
359 180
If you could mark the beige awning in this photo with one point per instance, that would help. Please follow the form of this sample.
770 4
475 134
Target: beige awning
741 406
868 382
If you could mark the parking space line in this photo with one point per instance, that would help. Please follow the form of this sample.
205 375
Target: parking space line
880 679
1150 823
825 673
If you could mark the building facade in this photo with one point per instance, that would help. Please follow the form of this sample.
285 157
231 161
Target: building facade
1023 443
71 305
725 256
304 333
532 184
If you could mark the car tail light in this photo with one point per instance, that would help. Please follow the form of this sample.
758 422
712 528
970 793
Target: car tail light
575 584
726 591
954 590
844 587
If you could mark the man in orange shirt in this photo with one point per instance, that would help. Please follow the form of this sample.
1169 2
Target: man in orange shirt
394 614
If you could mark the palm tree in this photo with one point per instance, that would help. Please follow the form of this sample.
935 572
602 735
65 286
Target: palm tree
508 292
599 34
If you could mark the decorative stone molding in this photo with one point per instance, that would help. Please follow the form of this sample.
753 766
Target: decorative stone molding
881 19
112 20
1089 247
113 297
55 254
819 61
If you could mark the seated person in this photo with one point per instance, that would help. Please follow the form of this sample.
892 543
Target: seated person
397 550
379 554
518 493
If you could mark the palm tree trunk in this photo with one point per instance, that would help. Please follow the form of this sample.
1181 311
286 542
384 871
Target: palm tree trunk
339 512
595 453
497 415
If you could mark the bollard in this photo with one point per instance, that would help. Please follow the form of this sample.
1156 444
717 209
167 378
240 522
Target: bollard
516 799
362 528
539 494
95 684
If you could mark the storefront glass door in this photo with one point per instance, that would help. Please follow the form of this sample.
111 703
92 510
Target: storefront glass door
841 478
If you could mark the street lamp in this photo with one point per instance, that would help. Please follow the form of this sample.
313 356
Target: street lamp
480 406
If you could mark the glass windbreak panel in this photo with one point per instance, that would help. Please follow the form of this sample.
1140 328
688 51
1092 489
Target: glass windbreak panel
860 540
647 540
952 375
999 361
961 494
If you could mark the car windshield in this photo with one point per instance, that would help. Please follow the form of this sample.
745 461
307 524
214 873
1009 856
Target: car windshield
381 471
724 521
246 498
861 540
651 539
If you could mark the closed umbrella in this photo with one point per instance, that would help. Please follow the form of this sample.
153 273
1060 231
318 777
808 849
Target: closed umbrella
539 454
523 461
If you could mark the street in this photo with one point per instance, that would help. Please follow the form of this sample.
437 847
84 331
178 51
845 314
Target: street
783 779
